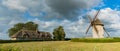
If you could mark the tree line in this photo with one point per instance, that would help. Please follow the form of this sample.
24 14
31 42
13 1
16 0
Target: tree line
58 33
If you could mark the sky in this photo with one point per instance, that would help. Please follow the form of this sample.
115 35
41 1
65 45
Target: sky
49 14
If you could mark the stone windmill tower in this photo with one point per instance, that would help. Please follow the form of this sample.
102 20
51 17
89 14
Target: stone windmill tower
97 27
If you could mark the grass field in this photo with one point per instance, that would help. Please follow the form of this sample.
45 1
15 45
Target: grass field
63 46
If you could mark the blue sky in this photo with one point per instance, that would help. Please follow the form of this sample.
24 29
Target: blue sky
112 4
51 13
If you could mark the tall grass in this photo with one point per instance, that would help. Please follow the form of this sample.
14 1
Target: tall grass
60 46
8 48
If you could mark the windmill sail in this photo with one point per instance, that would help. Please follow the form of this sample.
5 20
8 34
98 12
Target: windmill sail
96 15
106 32
88 28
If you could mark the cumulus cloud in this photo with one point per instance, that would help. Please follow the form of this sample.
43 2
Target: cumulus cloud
66 6
14 4
54 9
72 29
108 16
70 9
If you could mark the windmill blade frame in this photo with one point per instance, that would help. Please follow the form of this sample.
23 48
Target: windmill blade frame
89 25
106 32
96 15
88 28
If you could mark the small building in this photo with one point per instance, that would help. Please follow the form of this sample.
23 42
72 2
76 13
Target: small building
31 35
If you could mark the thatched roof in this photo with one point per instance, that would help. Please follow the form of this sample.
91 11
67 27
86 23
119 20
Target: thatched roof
98 22
30 34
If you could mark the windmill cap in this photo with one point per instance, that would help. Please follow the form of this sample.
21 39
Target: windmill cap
98 22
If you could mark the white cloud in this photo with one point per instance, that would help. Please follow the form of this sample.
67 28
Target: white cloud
14 4
72 29
115 26
36 6
111 16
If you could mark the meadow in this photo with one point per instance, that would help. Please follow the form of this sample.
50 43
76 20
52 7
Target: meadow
59 46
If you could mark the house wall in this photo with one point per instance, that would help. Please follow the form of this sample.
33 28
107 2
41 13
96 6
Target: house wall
13 38
100 32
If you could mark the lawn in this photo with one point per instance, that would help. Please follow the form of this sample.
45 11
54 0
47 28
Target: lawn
63 46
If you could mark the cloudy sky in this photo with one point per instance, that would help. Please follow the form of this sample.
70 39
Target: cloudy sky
49 14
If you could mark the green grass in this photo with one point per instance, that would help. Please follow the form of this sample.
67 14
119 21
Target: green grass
96 40
8 48
62 46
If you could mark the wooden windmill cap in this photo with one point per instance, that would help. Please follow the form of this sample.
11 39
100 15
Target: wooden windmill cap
98 22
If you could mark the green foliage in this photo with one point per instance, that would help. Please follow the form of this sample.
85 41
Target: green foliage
31 26
102 40
19 26
15 29
59 33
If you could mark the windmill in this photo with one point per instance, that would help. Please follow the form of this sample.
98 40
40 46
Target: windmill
98 28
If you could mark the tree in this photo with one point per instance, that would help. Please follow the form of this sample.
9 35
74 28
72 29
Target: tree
31 26
59 33
15 29
27 26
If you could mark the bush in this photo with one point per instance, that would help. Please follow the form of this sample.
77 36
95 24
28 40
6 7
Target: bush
95 40
66 39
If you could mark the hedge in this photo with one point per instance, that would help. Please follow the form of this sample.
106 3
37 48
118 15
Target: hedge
14 41
115 39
